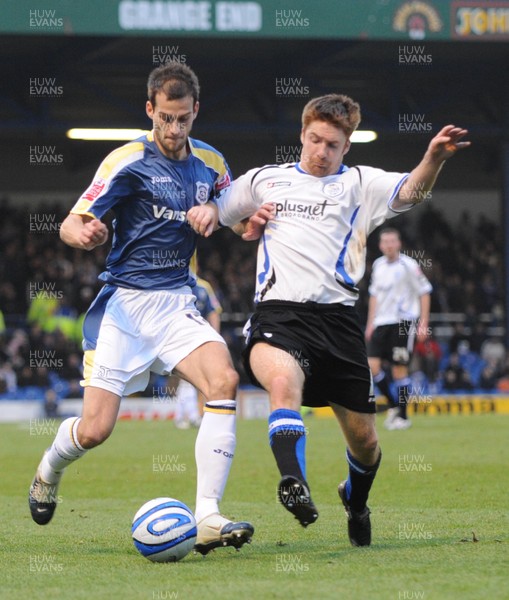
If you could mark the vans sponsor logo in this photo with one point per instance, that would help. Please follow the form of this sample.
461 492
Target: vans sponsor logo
163 212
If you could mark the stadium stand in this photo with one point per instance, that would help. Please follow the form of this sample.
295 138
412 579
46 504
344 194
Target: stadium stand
46 287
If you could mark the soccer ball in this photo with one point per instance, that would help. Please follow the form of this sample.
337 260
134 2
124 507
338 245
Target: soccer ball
164 530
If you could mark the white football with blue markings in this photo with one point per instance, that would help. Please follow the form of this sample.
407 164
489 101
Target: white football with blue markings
164 530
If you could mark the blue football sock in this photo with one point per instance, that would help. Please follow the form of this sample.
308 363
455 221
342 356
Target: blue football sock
287 437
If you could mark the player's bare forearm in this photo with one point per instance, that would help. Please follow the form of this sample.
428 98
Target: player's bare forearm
251 229
422 179
83 232
423 326
204 218
425 308
371 317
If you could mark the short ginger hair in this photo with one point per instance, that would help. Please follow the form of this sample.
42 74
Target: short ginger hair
337 109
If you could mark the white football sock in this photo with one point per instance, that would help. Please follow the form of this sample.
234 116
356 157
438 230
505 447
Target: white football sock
214 448
64 450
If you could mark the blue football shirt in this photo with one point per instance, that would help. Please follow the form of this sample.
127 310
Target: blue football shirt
150 195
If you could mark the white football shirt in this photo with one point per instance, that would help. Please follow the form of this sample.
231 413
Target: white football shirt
398 286
315 248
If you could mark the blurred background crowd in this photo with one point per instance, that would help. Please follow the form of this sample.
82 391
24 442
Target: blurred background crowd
46 287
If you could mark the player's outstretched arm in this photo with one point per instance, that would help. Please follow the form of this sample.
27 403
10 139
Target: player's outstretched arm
82 231
421 180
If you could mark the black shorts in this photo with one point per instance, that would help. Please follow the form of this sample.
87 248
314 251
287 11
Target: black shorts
393 342
327 342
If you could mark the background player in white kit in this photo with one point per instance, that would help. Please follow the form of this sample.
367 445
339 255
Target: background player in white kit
305 344
399 305
145 319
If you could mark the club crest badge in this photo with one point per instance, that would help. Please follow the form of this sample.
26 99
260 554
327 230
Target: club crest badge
202 192
333 189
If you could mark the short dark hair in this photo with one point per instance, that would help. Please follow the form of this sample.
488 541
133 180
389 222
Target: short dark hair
176 80
336 109
389 230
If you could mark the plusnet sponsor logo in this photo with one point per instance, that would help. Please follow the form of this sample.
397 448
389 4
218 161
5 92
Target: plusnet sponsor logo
314 212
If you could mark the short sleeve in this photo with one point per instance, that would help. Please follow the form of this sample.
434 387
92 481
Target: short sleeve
111 182
421 282
378 189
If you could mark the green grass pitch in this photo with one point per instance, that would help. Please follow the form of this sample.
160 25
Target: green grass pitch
439 515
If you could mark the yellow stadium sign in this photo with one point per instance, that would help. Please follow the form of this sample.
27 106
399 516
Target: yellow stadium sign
489 20
467 404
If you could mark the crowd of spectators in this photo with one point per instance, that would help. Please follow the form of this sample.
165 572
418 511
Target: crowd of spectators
46 287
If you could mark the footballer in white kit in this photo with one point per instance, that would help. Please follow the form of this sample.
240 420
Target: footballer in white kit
314 250
399 296
398 286
304 340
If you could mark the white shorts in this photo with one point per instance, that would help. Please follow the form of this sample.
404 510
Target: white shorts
128 333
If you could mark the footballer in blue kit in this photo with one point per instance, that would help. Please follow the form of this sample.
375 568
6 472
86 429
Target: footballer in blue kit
150 195
145 318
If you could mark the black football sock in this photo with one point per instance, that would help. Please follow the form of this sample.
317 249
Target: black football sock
287 437
359 482
403 385
383 383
